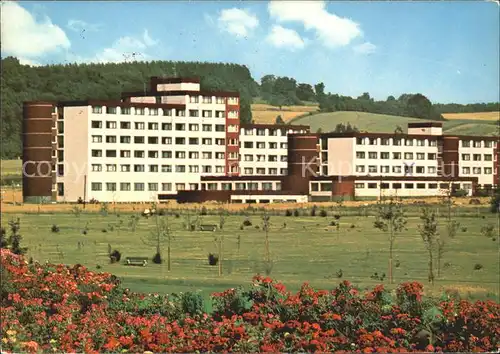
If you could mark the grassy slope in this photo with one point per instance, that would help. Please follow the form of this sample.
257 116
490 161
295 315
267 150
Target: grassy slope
304 251
494 116
386 123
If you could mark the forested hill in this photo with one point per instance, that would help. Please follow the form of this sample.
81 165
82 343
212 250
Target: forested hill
103 81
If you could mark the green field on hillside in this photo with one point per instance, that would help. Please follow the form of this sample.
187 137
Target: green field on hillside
305 249
380 123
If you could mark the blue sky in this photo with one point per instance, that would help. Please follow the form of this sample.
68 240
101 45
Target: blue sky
448 51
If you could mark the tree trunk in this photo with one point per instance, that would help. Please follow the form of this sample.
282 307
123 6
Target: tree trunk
431 271
391 246
220 255
168 257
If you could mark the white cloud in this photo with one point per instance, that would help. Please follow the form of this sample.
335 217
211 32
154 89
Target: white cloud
124 49
285 38
365 48
24 36
332 30
25 61
80 26
237 22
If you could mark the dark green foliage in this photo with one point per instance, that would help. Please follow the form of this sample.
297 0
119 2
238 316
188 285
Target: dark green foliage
279 120
495 202
296 213
288 212
247 222
478 266
313 210
157 258
323 213
55 228
104 81
203 211
13 242
345 128
212 259
115 256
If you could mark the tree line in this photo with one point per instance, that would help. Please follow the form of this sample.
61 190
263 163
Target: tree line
107 81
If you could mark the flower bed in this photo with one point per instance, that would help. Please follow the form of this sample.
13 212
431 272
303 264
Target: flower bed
58 308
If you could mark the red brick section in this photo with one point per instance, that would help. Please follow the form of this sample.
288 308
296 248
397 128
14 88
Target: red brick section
343 187
302 162
37 149
232 135
496 167
450 157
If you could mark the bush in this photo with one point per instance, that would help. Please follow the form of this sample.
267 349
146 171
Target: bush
333 223
157 258
478 266
177 215
192 303
313 210
459 193
55 228
288 212
296 213
161 212
213 259
464 229
203 211
247 222
323 213
115 256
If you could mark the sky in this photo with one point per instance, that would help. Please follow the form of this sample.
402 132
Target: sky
446 50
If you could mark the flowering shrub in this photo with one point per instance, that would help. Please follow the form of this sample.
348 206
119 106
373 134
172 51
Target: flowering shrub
58 308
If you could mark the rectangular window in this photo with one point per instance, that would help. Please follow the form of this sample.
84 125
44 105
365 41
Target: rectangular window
384 141
420 169
466 157
488 170
152 140
96 186
261 171
138 140
97 109
360 141
408 155
125 186
432 185
194 155
206 114
206 127
152 126
488 144
372 169
180 141
125 153
360 169
166 126
111 168
180 186
96 124
125 110
139 168
153 168
110 125
476 157
476 170
111 110
466 170
431 156
248 145
96 138
220 155
248 171
420 185
194 99
384 185
465 143
396 142
96 168
431 169
166 187
125 168
420 156
372 185
432 143
408 142
194 113
372 155
111 139
139 111
139 125
193 141
166 168
180 154
396 169
219 169
384 155
153 111
488 157
180 168
166 154
181 112
153 187
110 153
166 141
220 128
139 187
273 171
359 185
153 154
180 127
397 186
206 141
220 141
111 187
206 155
194 169
477 144
372 141
396 156
140 154
194 127
385 169
420 142
408 185
125 139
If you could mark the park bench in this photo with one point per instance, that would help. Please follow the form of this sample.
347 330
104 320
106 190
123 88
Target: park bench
208 227
142 261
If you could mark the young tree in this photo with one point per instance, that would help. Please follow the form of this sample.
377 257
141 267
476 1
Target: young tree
222 221
390 218
158 237
429 232
452 227
265 227
14 241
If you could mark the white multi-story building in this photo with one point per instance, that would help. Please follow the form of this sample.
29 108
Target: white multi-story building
178 141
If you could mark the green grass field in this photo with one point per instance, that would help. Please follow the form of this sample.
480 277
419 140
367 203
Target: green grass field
10 167
380 123
306 250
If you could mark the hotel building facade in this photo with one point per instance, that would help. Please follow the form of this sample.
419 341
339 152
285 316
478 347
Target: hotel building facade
177 141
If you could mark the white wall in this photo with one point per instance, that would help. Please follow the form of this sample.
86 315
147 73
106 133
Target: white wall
482 178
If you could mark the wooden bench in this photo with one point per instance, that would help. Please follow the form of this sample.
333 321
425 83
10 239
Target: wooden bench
141 261
208 227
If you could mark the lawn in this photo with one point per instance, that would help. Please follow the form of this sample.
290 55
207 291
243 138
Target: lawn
266 114
307 249
380 123
10 167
